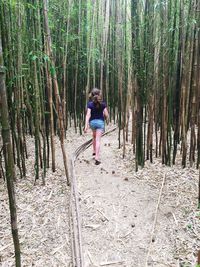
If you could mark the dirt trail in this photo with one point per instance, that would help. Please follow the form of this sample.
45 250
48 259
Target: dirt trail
118 210
117 207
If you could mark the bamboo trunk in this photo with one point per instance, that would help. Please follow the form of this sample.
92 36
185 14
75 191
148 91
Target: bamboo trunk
9 162
56 92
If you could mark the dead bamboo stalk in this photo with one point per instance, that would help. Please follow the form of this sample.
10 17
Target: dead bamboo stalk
155 221
75 226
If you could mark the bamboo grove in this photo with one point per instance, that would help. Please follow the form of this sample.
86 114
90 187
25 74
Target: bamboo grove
144 55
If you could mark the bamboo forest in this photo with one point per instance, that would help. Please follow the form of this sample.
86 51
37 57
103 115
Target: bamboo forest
133 67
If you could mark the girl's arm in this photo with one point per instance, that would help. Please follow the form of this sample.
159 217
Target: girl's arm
106 115
87 118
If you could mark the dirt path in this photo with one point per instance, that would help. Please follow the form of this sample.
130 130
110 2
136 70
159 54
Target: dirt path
117 208
118 211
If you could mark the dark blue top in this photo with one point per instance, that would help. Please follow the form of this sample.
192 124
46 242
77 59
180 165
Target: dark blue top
96 113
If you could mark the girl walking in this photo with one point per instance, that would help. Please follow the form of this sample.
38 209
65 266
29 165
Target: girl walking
96 115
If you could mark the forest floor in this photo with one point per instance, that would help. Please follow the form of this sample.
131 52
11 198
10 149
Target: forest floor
128 219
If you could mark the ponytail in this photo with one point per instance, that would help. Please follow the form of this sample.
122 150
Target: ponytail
96 97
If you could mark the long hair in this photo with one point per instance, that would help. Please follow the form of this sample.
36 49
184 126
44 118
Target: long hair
96 97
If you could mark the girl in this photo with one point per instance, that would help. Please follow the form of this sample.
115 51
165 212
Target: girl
96 114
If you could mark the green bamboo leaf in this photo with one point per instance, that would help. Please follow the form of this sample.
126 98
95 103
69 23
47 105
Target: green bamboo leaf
46 58
34 57
53 71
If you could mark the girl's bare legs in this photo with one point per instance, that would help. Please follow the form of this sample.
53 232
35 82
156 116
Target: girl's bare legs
98 141
94 142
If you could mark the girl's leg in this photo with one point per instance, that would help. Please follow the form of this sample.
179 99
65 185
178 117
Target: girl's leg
98 140
94 141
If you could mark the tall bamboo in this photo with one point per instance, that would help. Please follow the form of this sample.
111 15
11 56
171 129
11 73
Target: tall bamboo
56 90
9 162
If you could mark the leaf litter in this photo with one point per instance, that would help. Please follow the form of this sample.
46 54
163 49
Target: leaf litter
117 211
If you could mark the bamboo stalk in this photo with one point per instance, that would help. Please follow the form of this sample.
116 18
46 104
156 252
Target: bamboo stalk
56 93
9 163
